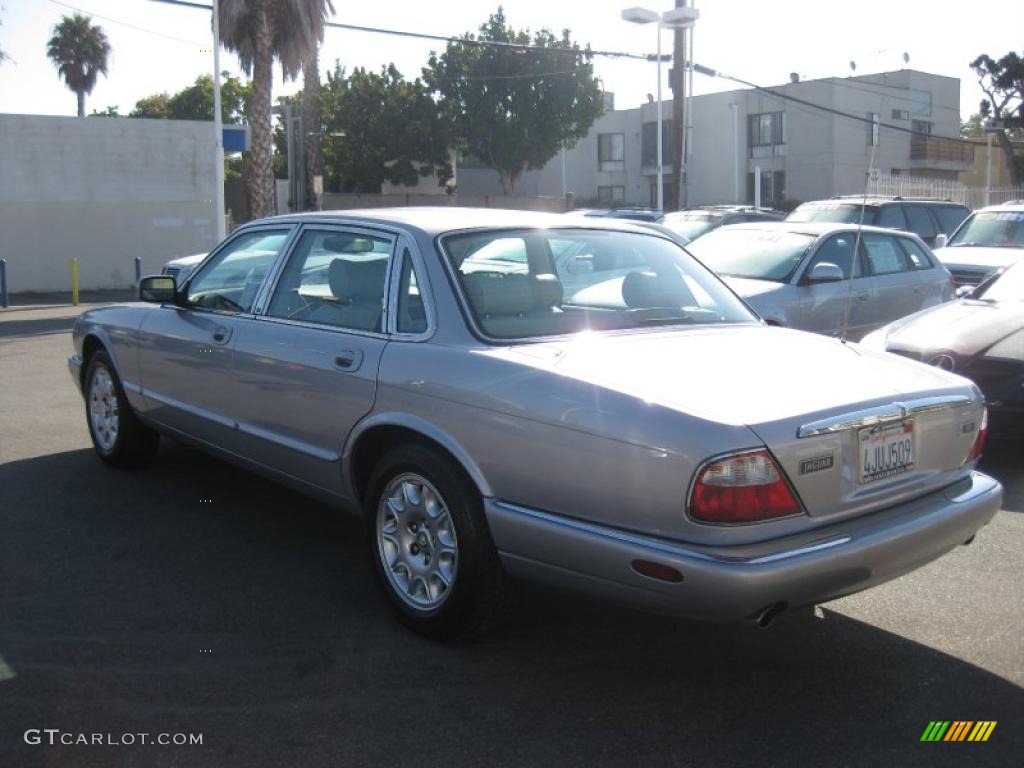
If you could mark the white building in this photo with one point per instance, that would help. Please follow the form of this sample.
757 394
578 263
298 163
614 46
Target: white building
799 134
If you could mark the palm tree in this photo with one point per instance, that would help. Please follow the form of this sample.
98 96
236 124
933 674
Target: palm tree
80 50
258 31
311 122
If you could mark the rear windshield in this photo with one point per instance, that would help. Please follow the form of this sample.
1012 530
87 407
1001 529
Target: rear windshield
992 228
843 213
531 283
690 225
757 253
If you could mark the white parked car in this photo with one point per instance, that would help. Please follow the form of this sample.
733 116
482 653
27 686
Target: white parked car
987 241
181 267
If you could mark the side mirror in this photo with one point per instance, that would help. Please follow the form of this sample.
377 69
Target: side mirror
158 289
964 291
940 240
825 272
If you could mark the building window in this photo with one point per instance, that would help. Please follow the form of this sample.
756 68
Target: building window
900 114
773 188
921 103
649 144
766 134
611 194
611 151
921 127
872 129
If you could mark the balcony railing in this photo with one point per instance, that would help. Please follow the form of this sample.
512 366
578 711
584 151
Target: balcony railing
931 149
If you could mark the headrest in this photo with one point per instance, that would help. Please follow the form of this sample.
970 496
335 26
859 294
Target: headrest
646 289
357 280
547 291
494 293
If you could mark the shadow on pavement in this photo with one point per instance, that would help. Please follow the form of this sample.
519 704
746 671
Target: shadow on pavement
112 583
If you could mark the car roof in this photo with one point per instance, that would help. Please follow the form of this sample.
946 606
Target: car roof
813 228
1012 206
879 199
437 220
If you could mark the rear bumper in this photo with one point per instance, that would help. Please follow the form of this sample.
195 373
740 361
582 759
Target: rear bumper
736 583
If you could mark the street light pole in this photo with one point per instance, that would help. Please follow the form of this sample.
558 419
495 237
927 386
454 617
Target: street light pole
218 127
661 169
676 18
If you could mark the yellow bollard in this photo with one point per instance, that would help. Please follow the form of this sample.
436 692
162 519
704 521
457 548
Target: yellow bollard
74 282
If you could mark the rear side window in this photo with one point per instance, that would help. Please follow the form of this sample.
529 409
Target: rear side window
915 253
921 223
891 216
884 255
412 315
950 216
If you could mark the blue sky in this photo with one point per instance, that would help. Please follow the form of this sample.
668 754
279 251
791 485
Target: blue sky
158 47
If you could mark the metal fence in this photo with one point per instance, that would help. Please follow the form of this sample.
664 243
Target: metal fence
942 189
340 201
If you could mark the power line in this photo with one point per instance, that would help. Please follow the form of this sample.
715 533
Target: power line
126 24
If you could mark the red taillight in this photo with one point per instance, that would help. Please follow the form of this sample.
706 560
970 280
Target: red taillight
744 488
979 440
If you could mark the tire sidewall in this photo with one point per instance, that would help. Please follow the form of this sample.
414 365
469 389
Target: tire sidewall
102 360
474 544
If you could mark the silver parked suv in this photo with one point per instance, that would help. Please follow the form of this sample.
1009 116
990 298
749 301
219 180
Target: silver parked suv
987 241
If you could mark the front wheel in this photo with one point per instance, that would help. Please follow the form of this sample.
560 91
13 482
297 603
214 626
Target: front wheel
118 436
430 546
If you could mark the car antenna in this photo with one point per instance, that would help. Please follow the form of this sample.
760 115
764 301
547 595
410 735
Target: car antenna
856 248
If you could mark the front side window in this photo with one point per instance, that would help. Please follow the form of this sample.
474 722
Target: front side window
920 220
1009 286
991 228
950 216
231 280
838 250
891 217
334 278
575 280
691 225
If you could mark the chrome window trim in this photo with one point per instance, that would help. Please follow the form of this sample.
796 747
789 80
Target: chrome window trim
407 243
882 414
260 310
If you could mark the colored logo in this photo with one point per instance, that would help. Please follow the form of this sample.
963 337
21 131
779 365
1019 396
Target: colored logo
958 730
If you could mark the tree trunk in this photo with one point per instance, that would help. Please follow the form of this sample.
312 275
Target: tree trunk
261 176
311 123
1008 158
81 103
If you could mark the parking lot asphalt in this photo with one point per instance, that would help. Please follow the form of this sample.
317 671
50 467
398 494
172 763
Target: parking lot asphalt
193 597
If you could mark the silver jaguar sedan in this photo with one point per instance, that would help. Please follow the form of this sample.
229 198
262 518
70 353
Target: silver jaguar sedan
505 395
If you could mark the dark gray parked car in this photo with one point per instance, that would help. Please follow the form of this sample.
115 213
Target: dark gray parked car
643 437
931 220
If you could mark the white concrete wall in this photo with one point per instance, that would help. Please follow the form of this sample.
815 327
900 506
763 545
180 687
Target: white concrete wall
102 190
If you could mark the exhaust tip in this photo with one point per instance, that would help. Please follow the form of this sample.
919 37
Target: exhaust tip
767 617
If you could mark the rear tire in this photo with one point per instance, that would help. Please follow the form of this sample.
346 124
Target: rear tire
430 547
118 436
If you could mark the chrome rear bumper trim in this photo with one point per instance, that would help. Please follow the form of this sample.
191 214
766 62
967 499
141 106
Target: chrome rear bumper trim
882 414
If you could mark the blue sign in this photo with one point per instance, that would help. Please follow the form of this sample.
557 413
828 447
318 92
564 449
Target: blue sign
236 138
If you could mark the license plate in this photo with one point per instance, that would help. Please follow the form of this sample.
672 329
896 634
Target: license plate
886 451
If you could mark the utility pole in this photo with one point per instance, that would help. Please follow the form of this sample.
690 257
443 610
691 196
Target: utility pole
678 111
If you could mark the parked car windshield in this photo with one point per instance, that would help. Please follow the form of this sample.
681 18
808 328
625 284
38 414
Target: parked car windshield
763 254
547 282
690 225
841 213
1009 286
991 228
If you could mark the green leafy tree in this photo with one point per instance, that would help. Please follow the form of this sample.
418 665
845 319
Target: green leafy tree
195 102
971 127
380 127
258 31
81 51
1003 84
108 112
515 108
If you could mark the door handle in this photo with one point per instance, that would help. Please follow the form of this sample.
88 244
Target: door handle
348 359
863 296
221 334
